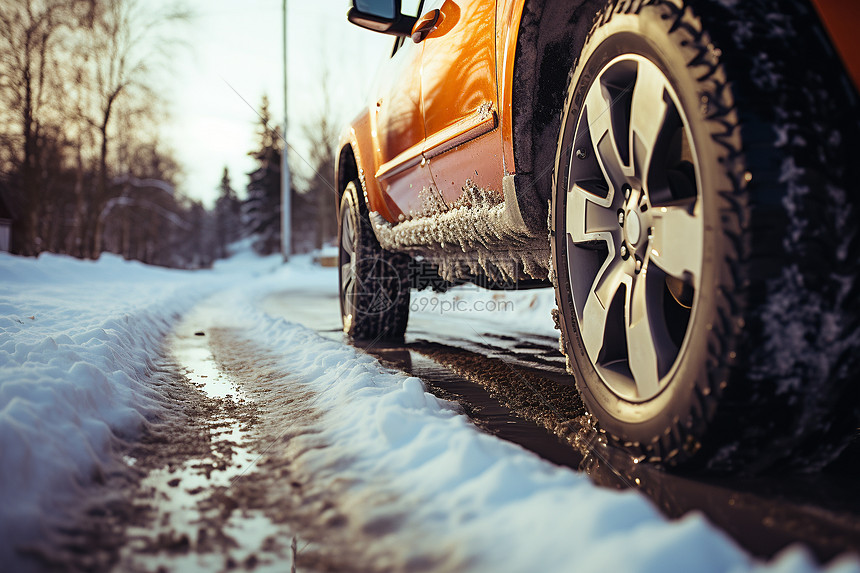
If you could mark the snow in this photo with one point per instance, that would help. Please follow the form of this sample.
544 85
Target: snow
529 310
458 237
77 341
76 346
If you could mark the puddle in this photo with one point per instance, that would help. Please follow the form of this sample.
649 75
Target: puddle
195 523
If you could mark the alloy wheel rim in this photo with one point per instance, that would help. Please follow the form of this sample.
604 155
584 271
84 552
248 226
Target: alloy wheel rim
634 227
347 266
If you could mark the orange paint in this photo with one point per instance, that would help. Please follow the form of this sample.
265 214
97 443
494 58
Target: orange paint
438 117
458 87
508 16
841 18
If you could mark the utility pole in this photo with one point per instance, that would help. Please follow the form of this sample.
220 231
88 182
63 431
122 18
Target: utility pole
286 239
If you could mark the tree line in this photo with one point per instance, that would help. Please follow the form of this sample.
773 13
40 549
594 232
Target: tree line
82 166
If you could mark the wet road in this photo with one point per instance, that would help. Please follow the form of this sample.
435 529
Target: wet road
514 385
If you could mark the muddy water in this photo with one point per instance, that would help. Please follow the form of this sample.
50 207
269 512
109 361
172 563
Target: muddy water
217 480
345 521
193 520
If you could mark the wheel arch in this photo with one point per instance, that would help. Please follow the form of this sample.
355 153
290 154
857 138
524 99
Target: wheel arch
346 170
549 37
356 160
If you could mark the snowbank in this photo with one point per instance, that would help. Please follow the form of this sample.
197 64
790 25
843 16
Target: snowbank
501 507
78 341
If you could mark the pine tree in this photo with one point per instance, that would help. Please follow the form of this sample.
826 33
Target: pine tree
261 211
228 225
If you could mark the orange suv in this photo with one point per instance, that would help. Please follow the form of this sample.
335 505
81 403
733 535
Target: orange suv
684 173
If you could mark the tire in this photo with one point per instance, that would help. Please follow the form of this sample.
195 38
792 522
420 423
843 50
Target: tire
373 282
706 266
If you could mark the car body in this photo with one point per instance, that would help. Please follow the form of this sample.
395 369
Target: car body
401 142
467 154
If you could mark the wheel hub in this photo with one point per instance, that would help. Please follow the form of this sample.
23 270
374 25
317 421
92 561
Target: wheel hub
635 223
633 229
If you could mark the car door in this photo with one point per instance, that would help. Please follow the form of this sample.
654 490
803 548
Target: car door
399 128
458 88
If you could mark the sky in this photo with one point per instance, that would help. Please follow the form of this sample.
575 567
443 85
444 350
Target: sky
237 45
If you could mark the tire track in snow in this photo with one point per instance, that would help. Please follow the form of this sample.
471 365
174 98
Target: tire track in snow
342 530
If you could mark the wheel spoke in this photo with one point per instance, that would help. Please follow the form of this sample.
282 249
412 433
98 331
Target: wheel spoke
676 246
647 114
575 214
642 352
346 274
599 219
347 238
595 314
349 289
602 136
587 220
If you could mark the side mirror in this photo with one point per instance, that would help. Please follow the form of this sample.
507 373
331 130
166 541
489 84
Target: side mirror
382 16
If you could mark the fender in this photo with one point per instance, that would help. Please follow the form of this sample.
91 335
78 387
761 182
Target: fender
508 16
537 42
840 17
359 139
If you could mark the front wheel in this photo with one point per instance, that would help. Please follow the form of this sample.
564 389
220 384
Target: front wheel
374 283
684 216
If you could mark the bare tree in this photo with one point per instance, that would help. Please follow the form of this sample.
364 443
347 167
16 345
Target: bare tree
128 43
321 133
28 77
79 132
80 99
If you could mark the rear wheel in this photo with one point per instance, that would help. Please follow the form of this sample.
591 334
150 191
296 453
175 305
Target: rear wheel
691 311
374 283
